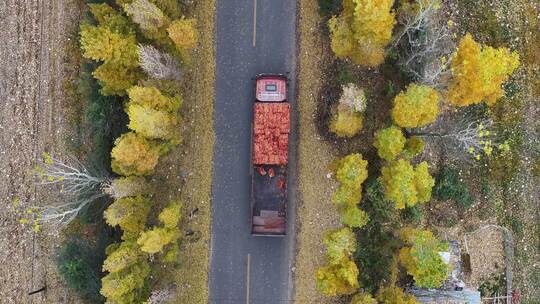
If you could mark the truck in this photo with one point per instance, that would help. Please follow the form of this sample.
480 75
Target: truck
269 155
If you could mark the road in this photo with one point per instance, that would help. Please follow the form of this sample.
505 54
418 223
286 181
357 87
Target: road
252 37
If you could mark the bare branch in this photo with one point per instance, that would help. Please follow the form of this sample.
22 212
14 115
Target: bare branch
157 64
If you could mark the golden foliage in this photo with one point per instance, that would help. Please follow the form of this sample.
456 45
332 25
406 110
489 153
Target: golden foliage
338 279
129 214
184 34
416 107
389 142
134 155
478 73
363 30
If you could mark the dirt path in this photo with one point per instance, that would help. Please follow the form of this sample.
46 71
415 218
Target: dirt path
32 33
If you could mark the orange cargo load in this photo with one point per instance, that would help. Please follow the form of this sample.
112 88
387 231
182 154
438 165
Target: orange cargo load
271 127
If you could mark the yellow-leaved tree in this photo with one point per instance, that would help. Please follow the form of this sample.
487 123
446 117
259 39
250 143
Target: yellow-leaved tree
421 258
157 238
338 279
416 107
363 30
134 155
347 117
129 213
112 41
389 142
405 185
478 72
184 34
363 298
152 114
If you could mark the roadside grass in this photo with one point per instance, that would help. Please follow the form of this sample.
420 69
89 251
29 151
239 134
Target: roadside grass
196 160
315 211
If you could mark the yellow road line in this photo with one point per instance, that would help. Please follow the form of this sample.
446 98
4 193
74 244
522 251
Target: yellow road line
254 22
247 277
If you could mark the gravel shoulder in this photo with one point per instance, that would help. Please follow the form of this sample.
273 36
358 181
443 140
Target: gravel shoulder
316 214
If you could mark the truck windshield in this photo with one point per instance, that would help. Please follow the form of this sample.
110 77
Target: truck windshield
271 88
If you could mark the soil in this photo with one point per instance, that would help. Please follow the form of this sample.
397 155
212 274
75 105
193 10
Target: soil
32 120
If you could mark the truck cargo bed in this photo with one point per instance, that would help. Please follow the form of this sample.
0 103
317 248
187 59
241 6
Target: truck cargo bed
269 199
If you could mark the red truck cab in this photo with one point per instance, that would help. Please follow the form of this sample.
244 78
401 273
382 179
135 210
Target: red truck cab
269 157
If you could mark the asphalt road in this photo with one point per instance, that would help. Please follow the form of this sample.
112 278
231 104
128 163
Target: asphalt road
252 36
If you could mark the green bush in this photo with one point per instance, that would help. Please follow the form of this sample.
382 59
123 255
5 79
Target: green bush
448 186
329 7
79 265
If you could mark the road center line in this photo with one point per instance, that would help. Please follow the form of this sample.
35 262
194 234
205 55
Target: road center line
254 22
248 275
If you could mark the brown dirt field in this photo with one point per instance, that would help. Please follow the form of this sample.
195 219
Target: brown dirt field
32 119
315 211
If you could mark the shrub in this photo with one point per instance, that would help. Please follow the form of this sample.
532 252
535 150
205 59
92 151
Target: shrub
416 107
449 186
421 258
414 146
134 155
478 73
79 266
328 7
362 31
389 142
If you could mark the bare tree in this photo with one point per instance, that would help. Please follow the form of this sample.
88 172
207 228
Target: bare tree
162 295
157 64
472 137
425 43
79 186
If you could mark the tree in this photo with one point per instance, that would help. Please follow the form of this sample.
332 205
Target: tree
404 185
150 18
353 216
345 123
115 79
347 119
154 240
338 279
129 214
126 286
340 245
134 155
184 34
395 295
363 298
112 42
416 107
125 255
424 42
80 185
157 64
423 182
153 98
128 186
389 142
362 31
421 257
352 171
478 72
346 196
152 123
